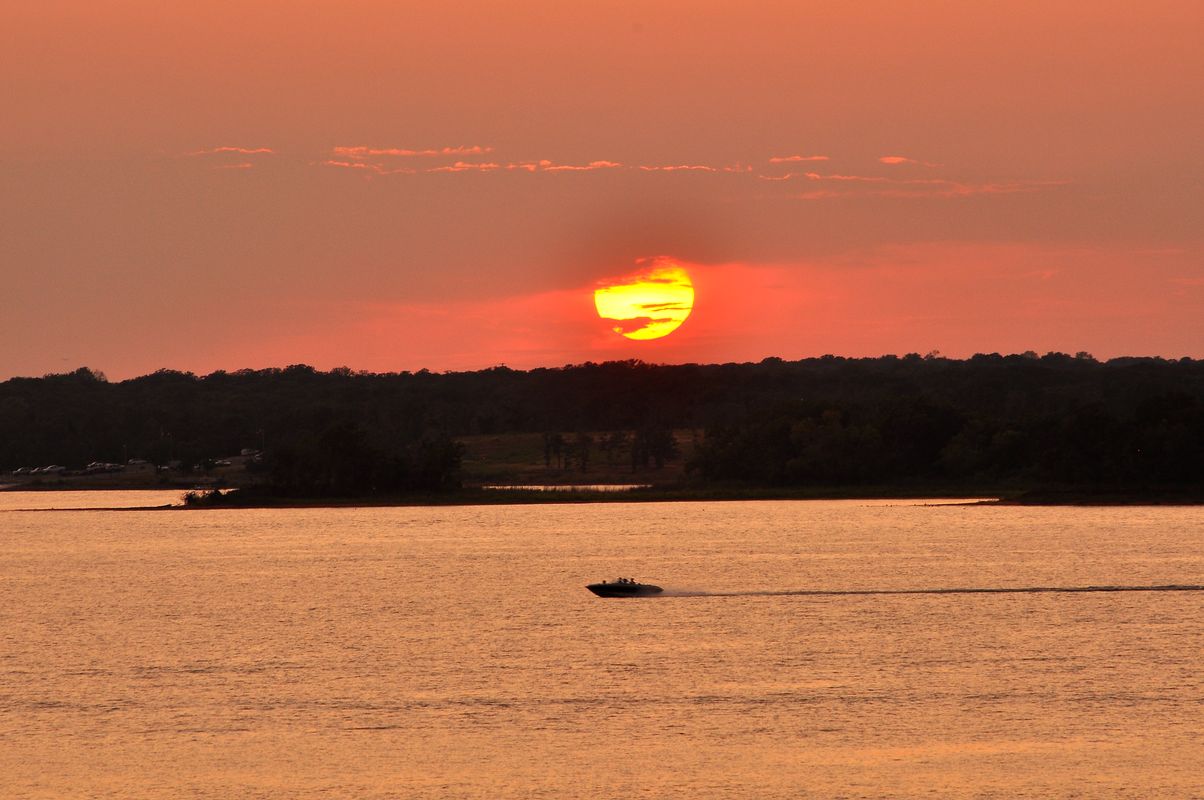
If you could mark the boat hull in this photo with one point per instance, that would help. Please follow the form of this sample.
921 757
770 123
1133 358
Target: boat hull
624 589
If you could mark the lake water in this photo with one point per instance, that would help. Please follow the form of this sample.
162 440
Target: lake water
454 652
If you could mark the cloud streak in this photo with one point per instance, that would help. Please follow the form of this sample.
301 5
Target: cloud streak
376 169
245 156
815 176
362 151
523 166
796 159
391 161
229 149
593 165
467 166
897 160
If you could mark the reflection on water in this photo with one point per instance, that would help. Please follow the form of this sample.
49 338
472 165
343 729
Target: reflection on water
134 498
568 487
454 652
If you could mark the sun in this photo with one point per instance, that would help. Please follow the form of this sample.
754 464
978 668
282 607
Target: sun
647 304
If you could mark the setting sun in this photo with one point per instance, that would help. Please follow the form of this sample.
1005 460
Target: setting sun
648 304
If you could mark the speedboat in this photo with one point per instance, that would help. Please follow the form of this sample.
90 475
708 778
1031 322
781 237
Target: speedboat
623 587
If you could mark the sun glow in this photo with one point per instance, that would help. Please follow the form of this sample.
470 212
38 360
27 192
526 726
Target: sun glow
648 304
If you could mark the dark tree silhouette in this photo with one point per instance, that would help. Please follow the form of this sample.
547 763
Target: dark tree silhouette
990 420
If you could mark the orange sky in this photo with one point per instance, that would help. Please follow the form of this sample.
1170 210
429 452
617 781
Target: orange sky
398 186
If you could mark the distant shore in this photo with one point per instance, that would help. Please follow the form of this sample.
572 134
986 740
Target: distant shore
209 497
654 494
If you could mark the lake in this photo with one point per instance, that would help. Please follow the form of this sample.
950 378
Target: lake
454 652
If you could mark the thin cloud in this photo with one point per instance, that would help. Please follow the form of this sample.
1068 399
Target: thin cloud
582 168
363 151
795 159
239 165
544 165
678 168
628 325
815 176
468 166
378 169
693 168
895 160
850 184
242 151
664 307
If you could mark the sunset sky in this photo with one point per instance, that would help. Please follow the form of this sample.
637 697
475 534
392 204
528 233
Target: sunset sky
396 186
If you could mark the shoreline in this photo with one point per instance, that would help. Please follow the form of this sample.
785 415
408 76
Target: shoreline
230 499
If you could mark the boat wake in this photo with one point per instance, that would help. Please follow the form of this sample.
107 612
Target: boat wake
1170 587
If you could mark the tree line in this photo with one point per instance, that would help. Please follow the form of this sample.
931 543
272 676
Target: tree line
991 419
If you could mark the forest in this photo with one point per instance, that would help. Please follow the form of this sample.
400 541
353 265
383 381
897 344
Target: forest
1019 421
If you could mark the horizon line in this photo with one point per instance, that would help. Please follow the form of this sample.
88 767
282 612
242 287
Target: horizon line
346 371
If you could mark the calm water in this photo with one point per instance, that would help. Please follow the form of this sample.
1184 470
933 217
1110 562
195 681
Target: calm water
453 652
